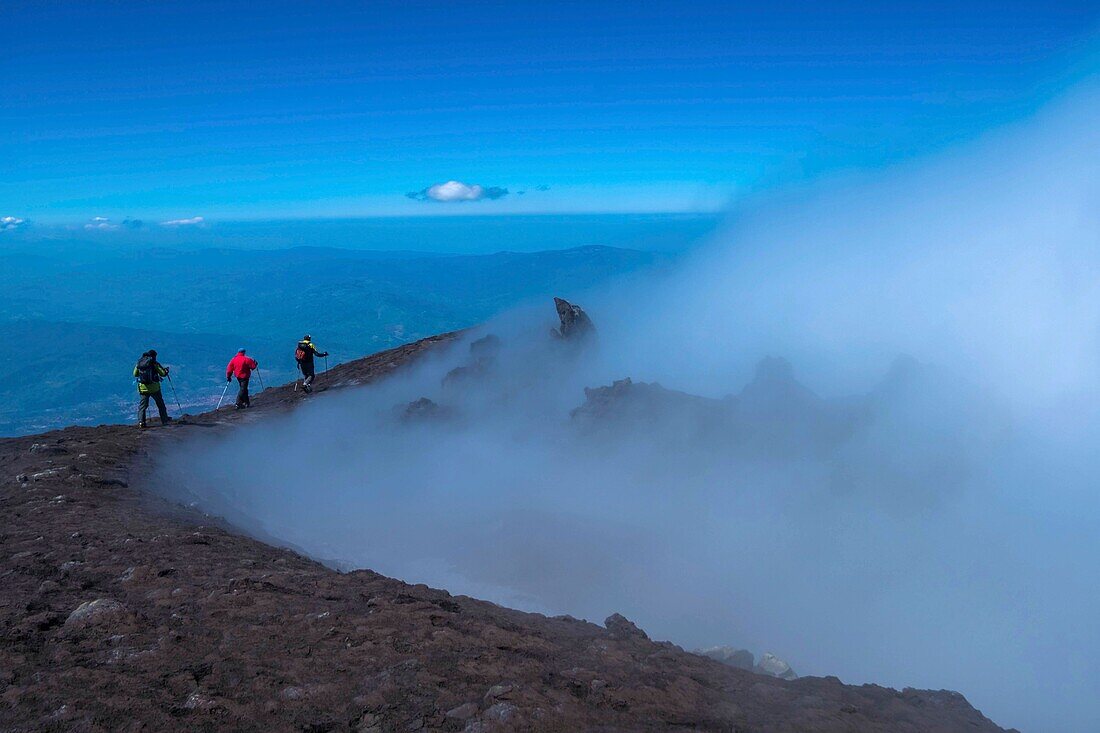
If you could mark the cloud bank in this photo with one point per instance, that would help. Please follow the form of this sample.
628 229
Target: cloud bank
457 192
193 221
927 521
11 223
101 224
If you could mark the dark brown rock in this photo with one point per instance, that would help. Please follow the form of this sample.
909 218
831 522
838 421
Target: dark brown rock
576 326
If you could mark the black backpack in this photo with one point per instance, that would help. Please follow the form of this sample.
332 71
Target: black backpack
146 369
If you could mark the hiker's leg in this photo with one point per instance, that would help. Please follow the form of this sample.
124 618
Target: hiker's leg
307 383
161 407
242 392
143 405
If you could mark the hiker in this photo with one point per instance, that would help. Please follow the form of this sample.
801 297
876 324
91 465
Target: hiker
149 373
304 356
241 366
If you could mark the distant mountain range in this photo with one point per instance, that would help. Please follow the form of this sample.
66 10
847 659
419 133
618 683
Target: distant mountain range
76 319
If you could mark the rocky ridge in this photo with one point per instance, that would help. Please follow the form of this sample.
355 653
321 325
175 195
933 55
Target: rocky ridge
121 612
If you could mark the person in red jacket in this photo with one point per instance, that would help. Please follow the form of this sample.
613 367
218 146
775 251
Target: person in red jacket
241 366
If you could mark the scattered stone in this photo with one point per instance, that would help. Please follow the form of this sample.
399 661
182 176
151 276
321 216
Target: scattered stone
499 691
48 586
463 712
47 449
197 701
292 693
502 712
99 611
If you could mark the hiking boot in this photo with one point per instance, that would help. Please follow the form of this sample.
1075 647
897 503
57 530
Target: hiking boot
165 421
142 426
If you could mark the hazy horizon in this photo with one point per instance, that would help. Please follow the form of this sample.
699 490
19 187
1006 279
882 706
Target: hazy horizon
463 234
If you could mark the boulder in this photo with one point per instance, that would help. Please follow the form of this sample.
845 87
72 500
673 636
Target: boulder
501 712
465 711
423 409
94 613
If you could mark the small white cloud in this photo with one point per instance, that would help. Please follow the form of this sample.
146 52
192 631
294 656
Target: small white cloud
100 223
194 221
10 223
457 191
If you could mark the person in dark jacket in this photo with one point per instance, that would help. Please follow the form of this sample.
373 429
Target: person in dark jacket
149 372
304 356
241 366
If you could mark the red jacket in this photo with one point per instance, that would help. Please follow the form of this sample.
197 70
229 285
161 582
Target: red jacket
240 366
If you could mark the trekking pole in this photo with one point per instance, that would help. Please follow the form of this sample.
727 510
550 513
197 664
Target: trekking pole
174 395
223 395
262 387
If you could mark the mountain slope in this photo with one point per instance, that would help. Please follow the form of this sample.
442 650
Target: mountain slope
120 611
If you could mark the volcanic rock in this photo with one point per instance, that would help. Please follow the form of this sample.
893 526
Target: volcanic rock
463 712
485 347
576 326
97 612
483 354
424 409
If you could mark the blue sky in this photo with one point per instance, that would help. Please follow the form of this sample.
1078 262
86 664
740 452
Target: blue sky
170 111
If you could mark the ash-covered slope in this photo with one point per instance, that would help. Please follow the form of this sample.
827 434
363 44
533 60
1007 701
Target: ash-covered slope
121 612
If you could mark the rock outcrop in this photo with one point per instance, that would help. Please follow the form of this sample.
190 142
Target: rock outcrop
483 356
622 628
423 409
576 326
